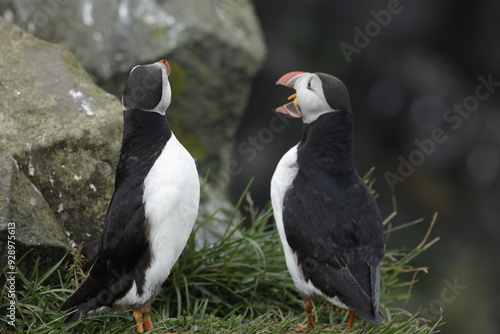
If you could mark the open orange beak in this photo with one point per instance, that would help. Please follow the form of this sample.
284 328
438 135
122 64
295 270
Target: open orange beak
290 80
166 64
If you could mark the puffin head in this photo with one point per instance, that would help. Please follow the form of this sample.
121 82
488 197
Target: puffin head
316 94
147 88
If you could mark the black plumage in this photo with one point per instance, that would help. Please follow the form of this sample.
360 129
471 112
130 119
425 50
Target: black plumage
330 217
123 251
328 220
152 211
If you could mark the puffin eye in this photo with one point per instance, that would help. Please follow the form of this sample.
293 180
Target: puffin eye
309 86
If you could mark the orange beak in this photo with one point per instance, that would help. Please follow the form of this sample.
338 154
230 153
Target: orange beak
290 80
166 64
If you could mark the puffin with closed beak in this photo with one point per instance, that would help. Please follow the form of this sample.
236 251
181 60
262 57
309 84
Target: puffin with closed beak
152 211
328 222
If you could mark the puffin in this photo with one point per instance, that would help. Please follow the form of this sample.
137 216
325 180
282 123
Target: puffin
327 218
153 208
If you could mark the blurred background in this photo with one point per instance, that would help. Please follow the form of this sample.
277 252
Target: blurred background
403 76
424 83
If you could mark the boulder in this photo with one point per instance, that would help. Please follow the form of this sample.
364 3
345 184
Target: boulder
214 46
60 137
27 224
62 133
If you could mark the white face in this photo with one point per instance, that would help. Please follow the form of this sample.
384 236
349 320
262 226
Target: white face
311 99
166 96
143 84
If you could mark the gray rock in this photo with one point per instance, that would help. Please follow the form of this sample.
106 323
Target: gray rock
214 46
60 138
64 134
27 221
217 216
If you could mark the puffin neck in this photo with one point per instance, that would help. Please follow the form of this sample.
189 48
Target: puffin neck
145 134
327 144
140 124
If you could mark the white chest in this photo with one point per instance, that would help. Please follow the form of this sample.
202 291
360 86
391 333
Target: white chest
171 197
282 181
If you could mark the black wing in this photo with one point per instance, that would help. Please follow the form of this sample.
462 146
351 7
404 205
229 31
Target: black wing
123 251
123 254
336 231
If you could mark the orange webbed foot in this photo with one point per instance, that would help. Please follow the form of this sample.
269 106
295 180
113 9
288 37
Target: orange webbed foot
138 321
350 322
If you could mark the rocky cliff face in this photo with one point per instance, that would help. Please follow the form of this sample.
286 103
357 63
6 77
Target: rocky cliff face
60 133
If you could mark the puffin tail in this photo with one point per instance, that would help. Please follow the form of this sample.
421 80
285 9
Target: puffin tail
82 300
72 317
95 293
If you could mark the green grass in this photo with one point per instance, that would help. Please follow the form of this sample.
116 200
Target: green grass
238 285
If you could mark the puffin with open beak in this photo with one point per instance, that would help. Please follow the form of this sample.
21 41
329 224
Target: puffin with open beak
328 221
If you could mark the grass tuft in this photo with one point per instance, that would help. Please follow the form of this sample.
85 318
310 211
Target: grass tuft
238 285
